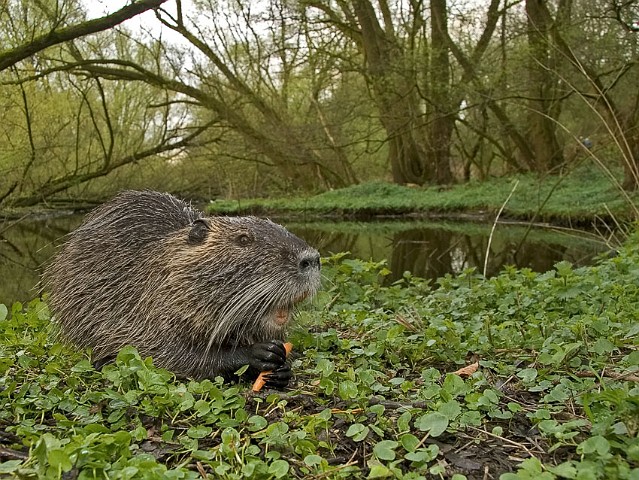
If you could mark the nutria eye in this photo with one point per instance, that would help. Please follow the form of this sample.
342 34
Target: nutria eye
244 240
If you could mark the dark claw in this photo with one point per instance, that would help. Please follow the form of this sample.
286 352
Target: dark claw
279 378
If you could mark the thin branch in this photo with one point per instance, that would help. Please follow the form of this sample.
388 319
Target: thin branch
63 183
32 148
234 80
55 37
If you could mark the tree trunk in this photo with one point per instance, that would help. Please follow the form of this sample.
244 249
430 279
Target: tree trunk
395 95
442 119
406 157
629 140
542 102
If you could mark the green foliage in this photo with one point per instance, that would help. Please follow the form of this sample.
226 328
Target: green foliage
555 395
575 197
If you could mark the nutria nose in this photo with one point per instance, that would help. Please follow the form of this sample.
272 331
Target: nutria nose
309 259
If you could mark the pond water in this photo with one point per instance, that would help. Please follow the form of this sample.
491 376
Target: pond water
428 249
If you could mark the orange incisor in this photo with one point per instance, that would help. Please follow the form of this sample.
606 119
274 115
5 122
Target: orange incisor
261 378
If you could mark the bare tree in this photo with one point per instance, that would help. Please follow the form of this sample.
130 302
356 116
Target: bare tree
609 86
61 131
414 85
237 83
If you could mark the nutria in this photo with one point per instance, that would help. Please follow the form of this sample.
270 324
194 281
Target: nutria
201 295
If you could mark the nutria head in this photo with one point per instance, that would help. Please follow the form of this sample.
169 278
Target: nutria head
247 273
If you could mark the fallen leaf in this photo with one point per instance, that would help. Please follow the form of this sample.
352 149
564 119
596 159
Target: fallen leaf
468 370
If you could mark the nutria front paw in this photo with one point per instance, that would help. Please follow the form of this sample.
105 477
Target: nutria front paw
279 378
269 355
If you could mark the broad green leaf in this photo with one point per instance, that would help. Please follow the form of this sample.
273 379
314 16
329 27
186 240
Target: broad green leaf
312 460
10 466
423 455
454 385
603 346
357 432
279 468
347 390
257 422
527 374
82 366
403 422
564 470
409 442
451 409
434 422
325 367
199 431
385 450
596 444
379 471
564 268
59 459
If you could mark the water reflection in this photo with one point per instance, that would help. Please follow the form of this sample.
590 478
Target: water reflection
432 250
25 246
427 249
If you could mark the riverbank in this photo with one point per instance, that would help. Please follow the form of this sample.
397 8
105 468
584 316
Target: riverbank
579 200
576 200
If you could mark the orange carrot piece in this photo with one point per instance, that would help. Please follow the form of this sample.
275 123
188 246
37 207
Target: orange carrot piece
260 381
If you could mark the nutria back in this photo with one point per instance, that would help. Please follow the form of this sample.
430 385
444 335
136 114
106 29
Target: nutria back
194 292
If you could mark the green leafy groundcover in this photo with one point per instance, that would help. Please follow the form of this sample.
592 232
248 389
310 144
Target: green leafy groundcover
556 394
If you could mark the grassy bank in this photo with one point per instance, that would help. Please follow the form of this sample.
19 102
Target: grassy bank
574 199
552 391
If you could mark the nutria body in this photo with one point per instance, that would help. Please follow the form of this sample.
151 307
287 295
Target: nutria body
202 295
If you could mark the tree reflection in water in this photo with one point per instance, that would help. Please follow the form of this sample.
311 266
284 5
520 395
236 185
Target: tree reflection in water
431 251
426 249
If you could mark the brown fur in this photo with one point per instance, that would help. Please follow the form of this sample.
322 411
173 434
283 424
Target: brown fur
147 269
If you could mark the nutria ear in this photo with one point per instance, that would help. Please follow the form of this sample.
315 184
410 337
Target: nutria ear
199 231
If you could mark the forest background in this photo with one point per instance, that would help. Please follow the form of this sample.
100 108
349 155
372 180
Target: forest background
234 99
